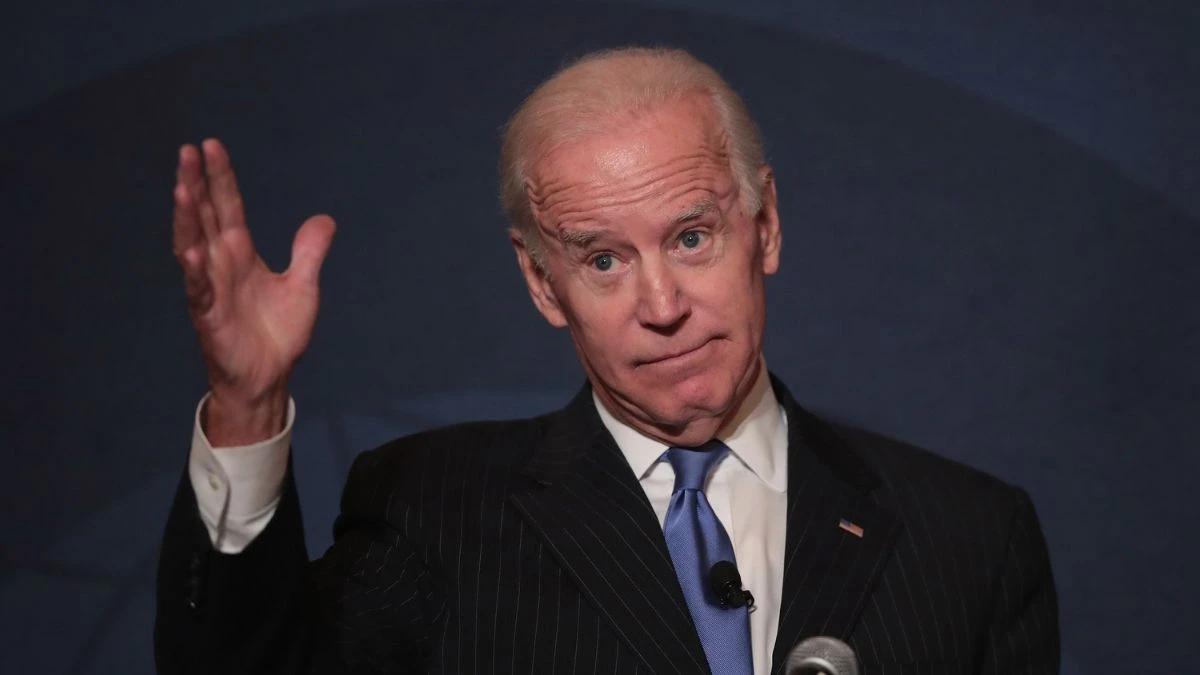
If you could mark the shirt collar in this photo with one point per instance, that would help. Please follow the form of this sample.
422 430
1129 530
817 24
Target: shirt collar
756 435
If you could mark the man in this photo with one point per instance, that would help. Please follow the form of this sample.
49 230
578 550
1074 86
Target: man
645 222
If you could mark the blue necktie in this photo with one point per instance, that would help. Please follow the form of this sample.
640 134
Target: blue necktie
696 541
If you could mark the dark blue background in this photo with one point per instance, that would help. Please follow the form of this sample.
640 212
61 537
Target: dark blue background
990 220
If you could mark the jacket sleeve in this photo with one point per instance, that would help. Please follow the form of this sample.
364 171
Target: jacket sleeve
1023 635
364 607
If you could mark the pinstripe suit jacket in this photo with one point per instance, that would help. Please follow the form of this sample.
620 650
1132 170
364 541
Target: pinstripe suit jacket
529 547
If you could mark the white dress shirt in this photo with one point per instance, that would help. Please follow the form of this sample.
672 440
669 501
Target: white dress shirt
238 488
747 491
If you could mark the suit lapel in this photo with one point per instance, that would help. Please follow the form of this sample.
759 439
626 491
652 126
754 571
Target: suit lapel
829 569
586 503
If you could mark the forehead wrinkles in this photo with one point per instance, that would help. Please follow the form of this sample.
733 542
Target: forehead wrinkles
559 199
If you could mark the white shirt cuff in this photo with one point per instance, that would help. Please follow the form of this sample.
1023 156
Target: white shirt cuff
238 488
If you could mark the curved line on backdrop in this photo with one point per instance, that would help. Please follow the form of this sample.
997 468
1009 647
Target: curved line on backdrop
762 23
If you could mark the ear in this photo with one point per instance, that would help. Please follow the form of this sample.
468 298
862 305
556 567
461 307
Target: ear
537 281
766 222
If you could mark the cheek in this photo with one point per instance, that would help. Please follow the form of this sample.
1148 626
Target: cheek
731 296
606 339
599 327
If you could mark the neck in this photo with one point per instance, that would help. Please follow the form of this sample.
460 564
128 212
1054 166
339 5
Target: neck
695 432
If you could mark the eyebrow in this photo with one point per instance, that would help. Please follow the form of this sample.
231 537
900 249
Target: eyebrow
578 238
582 238
696 211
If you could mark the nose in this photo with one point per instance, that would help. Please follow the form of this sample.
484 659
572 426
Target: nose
662 303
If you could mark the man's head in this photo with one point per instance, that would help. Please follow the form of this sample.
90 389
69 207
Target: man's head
644 222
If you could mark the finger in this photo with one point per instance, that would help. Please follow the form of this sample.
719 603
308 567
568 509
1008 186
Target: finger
222 185
310 248
186 225
191 175
197 284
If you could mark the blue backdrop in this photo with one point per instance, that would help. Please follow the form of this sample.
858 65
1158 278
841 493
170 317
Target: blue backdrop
990 219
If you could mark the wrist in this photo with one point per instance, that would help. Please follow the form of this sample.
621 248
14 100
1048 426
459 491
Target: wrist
229 420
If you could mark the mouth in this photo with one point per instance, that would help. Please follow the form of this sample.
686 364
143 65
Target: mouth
675 356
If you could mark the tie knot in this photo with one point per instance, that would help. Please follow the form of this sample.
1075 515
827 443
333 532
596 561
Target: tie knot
692 465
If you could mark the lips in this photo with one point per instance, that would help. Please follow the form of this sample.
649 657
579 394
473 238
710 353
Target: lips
673 355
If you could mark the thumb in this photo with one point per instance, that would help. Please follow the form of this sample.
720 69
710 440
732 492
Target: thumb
310 248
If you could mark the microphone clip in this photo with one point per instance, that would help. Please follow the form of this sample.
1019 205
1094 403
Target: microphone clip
726 584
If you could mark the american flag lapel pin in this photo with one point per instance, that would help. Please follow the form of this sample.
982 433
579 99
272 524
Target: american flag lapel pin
851 528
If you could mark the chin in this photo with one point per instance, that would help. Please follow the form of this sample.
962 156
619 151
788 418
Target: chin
695 398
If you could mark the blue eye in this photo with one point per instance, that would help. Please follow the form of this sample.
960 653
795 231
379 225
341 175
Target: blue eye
603 262
691 239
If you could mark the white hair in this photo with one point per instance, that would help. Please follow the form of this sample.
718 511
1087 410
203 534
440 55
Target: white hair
584 97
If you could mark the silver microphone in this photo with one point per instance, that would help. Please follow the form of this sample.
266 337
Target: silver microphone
821 656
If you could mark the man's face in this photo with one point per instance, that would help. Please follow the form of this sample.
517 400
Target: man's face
654 268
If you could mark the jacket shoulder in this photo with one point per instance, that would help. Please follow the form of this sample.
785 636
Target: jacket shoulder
937 498
948 511
471 457
896 461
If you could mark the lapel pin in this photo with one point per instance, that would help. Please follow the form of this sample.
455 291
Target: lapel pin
851 528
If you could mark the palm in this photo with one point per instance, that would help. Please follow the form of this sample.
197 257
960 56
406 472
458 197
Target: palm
259 322
253 323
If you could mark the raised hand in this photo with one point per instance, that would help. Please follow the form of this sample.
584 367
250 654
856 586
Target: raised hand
253 323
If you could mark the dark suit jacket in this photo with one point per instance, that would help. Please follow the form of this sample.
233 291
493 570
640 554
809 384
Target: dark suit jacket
529 546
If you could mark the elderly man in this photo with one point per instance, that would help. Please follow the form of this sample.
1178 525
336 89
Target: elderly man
585 540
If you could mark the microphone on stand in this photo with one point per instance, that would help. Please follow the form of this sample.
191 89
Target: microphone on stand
726 584
821 655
